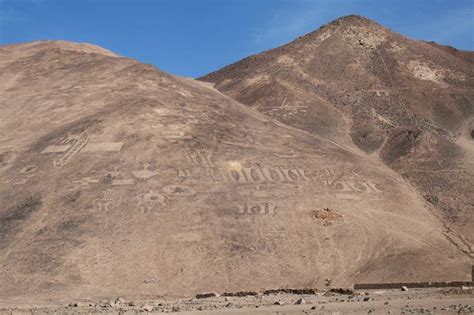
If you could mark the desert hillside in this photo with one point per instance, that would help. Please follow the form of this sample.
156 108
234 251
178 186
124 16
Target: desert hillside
407 103
120 179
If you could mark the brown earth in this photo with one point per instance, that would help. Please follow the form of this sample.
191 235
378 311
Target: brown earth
407 103
118 179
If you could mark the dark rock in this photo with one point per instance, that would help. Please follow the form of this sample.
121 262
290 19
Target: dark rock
206 295
300 301
342 291
147 308
240 293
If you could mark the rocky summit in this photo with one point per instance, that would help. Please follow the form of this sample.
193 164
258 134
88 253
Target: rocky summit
343 157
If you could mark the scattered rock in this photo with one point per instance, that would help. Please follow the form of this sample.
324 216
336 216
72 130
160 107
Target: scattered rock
206 295
291 291
366 299
342 291
404 288
326 216
147 308
119 301
240 293
300 301
279 303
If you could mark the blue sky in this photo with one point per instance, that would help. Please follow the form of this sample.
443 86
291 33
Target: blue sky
194 37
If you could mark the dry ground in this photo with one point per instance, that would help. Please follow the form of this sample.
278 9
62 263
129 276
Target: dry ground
414 301
117 179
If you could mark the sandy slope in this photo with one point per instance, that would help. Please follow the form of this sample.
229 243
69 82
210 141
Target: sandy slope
119 179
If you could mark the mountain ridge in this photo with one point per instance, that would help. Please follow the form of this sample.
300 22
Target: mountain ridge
119 179
407 102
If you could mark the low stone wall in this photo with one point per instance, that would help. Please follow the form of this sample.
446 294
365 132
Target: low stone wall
446 284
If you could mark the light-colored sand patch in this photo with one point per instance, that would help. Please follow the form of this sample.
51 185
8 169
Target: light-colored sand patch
369 38
186 237
324 35
103 147
423 71
123 182
56 149
232 166
396 47
163 111
381 118
286 61
259 79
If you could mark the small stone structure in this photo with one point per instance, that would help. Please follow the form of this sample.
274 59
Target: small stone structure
395 285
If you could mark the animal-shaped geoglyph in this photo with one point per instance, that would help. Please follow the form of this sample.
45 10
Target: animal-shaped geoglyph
145 173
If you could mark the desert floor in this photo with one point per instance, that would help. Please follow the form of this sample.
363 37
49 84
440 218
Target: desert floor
413 301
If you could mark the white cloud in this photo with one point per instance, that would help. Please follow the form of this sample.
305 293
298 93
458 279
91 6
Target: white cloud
454 24
299 17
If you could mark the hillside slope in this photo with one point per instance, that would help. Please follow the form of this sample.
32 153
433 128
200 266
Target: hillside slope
408 103
119 179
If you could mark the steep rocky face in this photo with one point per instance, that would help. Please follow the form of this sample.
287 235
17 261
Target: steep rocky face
119 179
408 102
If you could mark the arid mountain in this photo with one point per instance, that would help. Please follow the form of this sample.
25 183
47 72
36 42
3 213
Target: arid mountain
119 179
407 103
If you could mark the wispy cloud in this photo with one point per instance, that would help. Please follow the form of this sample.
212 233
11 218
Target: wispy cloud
298 17
447 22
13 13
455 24
8 13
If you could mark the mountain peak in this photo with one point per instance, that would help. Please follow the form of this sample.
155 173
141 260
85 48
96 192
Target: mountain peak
353 19
351 22
349 25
